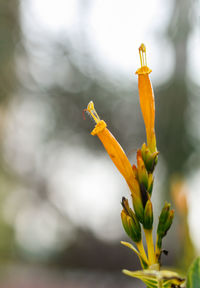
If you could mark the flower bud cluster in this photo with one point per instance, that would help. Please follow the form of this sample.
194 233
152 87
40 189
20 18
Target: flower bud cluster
165 222
146 162
150 159
130 222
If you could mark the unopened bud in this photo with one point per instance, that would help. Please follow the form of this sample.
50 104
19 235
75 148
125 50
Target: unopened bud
163 216
169 221
148 216
125 205
131 226
138 207
142 172
143 151
150 159
129 212
124 222
165 220
134 228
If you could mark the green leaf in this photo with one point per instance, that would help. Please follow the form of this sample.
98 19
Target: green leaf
142 261
193 276
157 279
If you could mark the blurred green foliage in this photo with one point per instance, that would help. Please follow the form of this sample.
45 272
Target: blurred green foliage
193 277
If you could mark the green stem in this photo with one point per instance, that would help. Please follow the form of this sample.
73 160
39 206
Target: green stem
158 248
142 251
150 246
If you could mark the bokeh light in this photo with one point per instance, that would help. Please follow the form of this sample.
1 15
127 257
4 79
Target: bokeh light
61 194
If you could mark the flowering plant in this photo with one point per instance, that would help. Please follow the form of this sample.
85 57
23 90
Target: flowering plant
140 181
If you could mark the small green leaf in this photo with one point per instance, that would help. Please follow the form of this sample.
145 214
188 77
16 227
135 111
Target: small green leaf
193 276
142 261
157 279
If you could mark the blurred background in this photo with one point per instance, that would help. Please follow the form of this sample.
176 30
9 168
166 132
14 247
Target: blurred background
60 193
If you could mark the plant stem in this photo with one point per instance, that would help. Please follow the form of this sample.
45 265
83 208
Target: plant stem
157 250
142 251
150 246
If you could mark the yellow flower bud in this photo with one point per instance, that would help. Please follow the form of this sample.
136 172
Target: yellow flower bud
148 216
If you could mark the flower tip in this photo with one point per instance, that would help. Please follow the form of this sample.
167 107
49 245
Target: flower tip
142 48
92 112
100 124
90 106
143 60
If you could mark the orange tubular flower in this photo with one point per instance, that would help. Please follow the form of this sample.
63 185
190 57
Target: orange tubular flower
118 157
146 99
